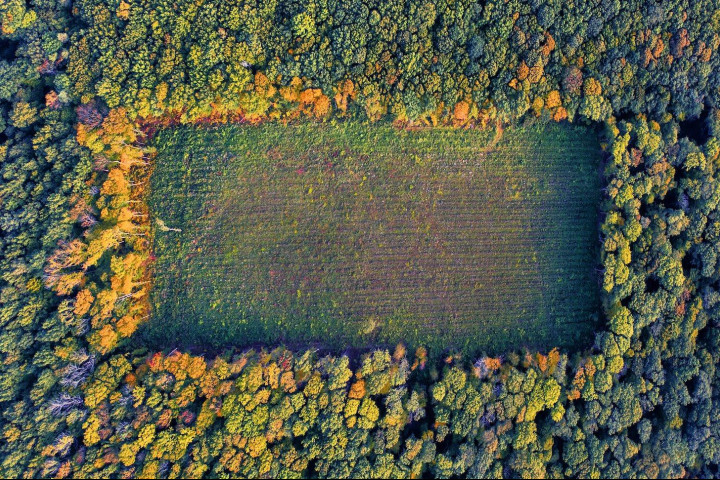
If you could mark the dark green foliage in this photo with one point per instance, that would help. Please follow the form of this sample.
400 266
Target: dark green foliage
41 169
183 54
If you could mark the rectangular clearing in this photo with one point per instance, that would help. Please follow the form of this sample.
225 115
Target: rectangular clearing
354 235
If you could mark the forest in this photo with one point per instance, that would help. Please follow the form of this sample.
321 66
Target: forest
88 89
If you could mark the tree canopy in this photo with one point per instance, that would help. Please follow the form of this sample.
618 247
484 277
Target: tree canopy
82 86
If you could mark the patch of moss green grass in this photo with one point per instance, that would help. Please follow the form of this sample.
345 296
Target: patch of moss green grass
352 235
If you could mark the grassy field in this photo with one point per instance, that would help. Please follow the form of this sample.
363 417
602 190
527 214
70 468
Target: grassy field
352 235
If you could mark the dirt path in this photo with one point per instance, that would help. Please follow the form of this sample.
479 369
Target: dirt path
499 129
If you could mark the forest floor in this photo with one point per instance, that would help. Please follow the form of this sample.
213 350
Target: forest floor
350 235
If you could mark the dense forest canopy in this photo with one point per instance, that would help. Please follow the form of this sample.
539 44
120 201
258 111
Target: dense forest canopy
403 58
84 84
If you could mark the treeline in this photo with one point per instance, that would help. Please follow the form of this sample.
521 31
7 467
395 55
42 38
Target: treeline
406 60
42 172
83 83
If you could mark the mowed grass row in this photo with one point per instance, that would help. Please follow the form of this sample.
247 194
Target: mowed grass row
353 235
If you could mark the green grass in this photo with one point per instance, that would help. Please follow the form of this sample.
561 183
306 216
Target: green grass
355 235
